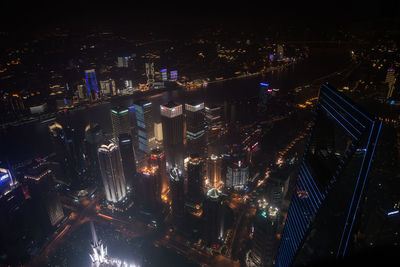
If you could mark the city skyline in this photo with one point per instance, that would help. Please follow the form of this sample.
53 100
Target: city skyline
226 136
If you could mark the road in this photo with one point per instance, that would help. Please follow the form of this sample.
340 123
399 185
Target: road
89 211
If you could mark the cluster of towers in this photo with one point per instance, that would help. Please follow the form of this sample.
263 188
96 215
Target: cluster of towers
171 166
177 170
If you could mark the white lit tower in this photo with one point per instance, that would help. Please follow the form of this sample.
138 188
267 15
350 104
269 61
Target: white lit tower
112 172
214 171
237 175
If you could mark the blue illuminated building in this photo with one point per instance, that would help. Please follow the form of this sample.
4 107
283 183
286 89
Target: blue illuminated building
91 83
145 125
263 96
324 211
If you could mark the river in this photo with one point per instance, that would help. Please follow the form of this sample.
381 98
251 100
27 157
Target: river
33 140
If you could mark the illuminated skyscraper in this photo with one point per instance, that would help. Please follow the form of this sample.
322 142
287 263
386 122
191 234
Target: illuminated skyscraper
195 186
214 170
195 128
82 92
390 80
280 51
213 217
213 127
173 74
150 72
46 201
123 62
172 125
9 187
148 194
263 95
13 220
91 83
264 242
112 172
164 74
145 126
120 121
128 158
107 87
158 132
177 192
67 143
237 175
323 213
128 84
157 159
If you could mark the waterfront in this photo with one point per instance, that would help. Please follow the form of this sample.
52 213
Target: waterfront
33 140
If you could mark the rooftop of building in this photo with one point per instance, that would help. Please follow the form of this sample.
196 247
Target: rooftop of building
213 193
171 104
119 109
142 102
175 174
124 137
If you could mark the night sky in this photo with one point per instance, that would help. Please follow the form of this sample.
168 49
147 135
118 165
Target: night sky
32 16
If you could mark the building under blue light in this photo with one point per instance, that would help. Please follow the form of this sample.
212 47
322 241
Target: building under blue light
91 83
323 213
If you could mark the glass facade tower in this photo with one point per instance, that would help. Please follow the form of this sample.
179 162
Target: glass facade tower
323 212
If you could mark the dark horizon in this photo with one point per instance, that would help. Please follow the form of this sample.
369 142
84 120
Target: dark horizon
184 15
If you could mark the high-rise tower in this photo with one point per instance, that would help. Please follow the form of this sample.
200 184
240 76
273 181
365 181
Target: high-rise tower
157 158
237 175
213 216
128 159
46 201
195 128
177 192
112 172
390 80
214 171
323 213
195 186
91 83
172 125
94 138
213 127
120 121
145 126
150 73
264 242
149 189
